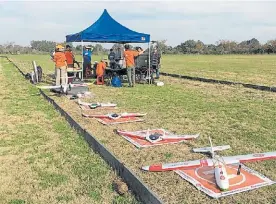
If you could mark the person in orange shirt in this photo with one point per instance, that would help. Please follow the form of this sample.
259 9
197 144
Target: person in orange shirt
61 65
100 68
129 56
69 56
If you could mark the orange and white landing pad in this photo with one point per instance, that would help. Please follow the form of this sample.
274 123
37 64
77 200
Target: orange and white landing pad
203 179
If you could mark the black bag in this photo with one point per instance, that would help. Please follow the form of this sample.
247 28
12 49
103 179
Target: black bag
39 73
32 76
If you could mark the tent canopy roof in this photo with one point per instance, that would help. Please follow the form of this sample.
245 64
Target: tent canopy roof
106 29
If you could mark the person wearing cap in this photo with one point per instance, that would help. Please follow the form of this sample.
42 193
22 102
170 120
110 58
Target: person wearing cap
88 53
129 56
69 56
87 58
100 68
155 61
61 65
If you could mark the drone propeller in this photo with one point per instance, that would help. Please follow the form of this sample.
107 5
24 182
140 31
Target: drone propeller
114 116
155 136
94 105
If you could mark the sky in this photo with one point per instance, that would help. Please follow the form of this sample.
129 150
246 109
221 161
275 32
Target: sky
174 21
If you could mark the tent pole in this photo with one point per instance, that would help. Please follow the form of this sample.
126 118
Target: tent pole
149 64
82 59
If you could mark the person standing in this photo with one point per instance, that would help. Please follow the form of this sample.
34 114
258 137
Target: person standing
111 58
119 52
129 56
87 53
61 66
155 61
69 56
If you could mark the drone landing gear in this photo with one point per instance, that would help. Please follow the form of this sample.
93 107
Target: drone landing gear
239 170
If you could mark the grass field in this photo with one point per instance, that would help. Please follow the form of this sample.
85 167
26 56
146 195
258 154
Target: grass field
240 117
42 159
255 69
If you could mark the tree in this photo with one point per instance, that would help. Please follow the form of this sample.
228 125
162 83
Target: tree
226 46
78 47
188 47
252 46
44 46
270 46
98 49
162 47
199 47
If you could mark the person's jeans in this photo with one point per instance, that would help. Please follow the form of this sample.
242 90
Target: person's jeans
61 75
131 75
86 65
157 73
156 68
112 65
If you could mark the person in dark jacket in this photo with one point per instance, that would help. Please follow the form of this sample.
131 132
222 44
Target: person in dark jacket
111 58
155 59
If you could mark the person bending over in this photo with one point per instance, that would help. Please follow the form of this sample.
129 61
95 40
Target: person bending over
129 56
61 65
100 68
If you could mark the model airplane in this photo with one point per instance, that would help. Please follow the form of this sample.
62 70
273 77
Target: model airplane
115 115
96 105
156 136
64 88
219 163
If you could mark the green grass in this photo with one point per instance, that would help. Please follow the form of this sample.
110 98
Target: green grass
255 69
42 159
16 201
243 118
240 117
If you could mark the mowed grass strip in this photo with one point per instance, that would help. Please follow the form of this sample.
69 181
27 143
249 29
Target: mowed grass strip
254 69
42 159
231 115
240 117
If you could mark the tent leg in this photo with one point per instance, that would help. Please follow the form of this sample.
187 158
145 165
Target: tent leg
82 60
149 75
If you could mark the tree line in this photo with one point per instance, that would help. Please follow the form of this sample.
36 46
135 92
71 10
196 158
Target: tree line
44 47
252 46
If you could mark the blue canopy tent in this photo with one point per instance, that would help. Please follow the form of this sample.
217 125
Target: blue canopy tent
108 30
